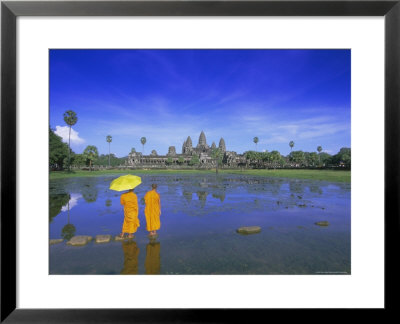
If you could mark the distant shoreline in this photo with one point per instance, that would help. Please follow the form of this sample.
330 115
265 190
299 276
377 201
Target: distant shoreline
321 175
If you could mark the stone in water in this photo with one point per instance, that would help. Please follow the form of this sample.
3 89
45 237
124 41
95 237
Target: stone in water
103 238
249 230
79 240
55 241
323 223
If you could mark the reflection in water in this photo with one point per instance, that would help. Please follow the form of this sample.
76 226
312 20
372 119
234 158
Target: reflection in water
73 201
68 231
187 195
296 187
89 193
220 196
131 253
56 203
108 202
152 263
202 195
315 189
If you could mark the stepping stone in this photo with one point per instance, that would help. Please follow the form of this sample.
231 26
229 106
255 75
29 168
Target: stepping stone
249 230
323 223
118 238
103 238
55 241
79 240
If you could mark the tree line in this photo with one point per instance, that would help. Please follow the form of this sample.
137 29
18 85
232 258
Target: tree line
62 157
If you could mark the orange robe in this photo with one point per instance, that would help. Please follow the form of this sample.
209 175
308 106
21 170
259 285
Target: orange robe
131 254
131 211
152 262
152 210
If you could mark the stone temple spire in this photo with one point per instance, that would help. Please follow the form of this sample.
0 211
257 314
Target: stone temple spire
188 142
213 146
221 145
202 139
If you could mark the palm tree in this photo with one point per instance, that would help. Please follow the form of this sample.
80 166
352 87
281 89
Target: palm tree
109 140
91 154
255 140
143 141
291 144
319 149
70 119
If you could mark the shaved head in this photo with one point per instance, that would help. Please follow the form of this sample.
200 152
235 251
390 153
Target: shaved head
153 186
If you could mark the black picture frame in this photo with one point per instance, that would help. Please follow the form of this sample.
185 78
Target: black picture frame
10 10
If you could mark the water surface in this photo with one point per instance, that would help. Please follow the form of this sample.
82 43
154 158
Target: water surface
200 215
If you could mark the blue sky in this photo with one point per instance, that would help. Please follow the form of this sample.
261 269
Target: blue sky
167 95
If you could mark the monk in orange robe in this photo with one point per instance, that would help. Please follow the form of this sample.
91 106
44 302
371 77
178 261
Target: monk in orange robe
152 210
131 211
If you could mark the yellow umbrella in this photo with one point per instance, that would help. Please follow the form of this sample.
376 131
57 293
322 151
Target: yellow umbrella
125 182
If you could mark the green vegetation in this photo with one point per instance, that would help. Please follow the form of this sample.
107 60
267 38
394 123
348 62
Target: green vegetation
58 151
109 140
217 155
327 175
103 160
143 140
255 140
70 119
91 154
291 144
194 160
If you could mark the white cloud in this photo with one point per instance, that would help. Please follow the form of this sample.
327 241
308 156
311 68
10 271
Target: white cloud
72 202
63 131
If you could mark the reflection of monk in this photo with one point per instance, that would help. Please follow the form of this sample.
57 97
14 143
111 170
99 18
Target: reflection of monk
152 263
131 253
131 211
152 210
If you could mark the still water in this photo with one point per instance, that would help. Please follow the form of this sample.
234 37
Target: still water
200 215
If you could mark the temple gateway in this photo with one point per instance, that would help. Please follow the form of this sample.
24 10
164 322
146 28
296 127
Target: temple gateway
199 156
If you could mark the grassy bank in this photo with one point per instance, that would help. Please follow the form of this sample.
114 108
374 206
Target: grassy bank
327 175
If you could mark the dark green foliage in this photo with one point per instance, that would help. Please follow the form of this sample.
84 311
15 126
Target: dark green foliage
195 160
56 202
343 158
114 161
297 157
68 232
58 151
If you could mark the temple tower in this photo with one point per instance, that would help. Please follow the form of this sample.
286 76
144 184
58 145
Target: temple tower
213 146
221 145
187 147
202 146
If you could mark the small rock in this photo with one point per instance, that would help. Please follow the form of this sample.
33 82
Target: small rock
119 238
322 223
249 230
55 241
103 238
79 240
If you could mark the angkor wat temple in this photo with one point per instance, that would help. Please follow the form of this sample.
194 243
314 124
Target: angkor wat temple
199 156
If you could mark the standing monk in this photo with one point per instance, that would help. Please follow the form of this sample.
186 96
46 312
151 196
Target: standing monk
152 210
131 211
